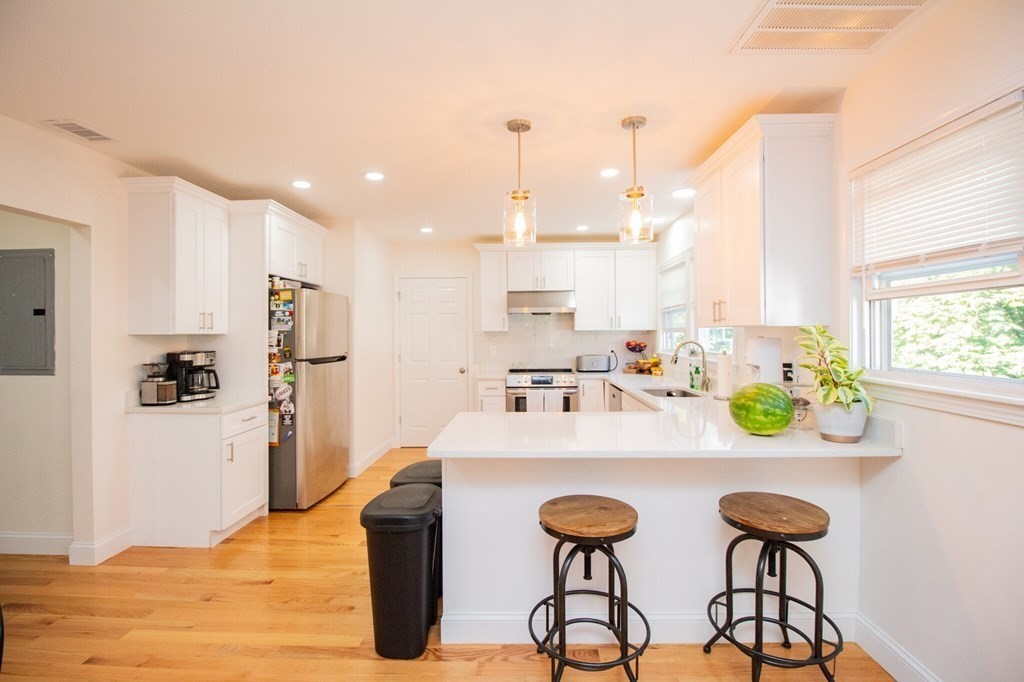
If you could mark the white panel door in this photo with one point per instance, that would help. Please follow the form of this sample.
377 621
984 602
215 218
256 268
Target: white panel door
189 313
636 290
556 270
434 356
741 216
595 290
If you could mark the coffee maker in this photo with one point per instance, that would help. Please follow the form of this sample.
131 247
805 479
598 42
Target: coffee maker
193 371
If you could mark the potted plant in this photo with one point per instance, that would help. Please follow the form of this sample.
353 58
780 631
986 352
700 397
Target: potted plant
843 404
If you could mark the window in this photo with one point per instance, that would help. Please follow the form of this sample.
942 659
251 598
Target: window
938 243
675 288
716 340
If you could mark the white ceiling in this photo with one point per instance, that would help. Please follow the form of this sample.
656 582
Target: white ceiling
243 96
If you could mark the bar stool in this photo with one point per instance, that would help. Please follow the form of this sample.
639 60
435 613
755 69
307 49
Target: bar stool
590 523
777 521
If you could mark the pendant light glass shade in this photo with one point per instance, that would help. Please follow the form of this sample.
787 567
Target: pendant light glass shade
520 223
636 205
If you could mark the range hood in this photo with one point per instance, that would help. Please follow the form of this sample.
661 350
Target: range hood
542 302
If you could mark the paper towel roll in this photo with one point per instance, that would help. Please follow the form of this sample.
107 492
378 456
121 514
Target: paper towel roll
766 353
723 381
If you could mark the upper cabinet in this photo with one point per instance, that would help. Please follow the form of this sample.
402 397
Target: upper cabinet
493 292
765 219
295 247
177 258
540 271
616 289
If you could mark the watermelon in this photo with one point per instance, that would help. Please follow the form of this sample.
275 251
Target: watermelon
761 409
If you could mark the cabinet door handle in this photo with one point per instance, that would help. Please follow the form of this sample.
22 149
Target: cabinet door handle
231 452
611 322
721 310
619 325
202 320
249 419
210 324
543 281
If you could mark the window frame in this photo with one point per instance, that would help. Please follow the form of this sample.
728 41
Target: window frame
993 398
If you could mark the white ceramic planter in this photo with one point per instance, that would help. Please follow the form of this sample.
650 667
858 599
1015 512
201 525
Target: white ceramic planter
838 425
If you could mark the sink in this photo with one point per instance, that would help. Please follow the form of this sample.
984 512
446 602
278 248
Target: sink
671 392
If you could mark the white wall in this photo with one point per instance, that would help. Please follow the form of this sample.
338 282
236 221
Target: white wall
360 266
941 544
36 462
43 174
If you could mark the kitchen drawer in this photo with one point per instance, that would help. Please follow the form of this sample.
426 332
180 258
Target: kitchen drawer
243 420
489 388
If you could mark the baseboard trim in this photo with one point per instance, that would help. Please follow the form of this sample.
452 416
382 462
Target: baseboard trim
95 553
55 544
666 628
363 463
896 660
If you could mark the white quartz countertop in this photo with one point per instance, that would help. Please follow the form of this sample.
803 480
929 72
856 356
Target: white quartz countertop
226 402
680 428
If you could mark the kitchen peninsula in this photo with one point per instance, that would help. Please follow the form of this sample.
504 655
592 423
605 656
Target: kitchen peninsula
672 464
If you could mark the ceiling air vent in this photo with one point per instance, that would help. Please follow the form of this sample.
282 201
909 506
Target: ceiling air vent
82 131
823 25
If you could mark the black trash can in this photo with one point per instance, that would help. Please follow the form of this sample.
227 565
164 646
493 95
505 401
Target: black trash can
402 527
420 472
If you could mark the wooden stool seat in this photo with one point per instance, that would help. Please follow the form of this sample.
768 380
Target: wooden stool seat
776 517
588 517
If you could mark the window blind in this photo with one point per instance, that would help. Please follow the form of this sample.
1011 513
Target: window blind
673 285
959 193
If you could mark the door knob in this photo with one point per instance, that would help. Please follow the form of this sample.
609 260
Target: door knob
462 370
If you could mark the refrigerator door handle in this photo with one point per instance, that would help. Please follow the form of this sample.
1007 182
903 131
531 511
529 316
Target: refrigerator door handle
325 361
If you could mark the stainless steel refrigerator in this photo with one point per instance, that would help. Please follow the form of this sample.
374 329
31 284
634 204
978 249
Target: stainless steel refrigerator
309 339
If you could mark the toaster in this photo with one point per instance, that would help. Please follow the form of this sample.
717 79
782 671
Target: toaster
593 363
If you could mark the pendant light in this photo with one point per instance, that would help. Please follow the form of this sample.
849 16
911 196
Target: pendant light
636 206
520 225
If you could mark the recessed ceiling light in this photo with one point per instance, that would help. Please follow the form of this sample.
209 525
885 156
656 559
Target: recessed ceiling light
609 172
426 230
301 184
583 228
684 193
375 176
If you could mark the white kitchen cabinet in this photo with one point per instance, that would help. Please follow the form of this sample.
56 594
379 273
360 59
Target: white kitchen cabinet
490 395
543 270
591 395
196 477
295 247
177 258
764 214
616 289
493 292
631 404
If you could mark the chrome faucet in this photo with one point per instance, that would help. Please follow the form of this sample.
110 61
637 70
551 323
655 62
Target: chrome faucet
705 382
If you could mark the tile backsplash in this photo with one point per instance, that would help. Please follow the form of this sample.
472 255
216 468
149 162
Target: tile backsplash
547 341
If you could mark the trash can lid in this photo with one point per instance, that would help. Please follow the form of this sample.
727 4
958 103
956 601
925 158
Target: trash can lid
420 472
403 509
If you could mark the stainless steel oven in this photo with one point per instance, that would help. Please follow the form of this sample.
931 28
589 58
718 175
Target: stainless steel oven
541 390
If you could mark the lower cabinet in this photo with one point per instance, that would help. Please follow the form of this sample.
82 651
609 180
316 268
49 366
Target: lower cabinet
591 392
490 395
631 404
196 477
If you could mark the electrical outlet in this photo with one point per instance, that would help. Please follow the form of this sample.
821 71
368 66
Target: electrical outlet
494 350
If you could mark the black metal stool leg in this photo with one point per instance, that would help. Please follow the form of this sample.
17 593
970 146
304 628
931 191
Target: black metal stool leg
560 617
762 560
783 600
728 590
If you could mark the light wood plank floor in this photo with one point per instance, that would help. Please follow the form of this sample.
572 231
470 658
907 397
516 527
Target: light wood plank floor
286 598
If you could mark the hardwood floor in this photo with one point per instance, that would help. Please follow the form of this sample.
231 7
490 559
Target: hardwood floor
286 598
